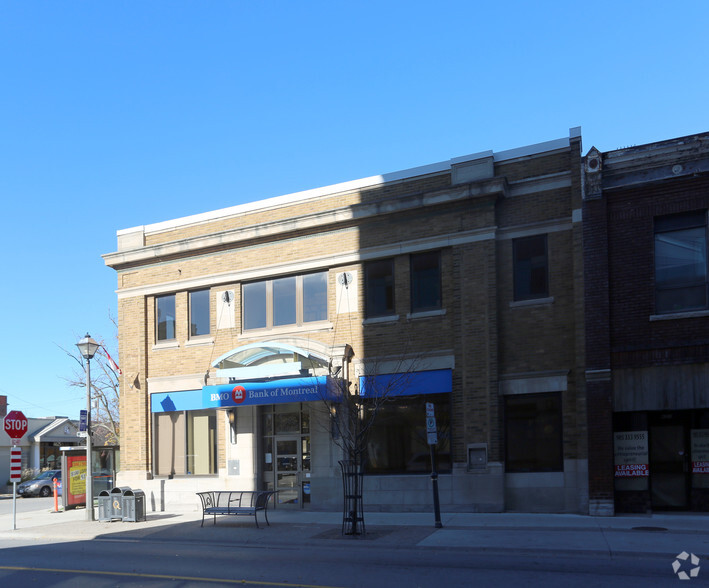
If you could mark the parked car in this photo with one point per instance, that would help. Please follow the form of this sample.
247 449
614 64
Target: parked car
42 485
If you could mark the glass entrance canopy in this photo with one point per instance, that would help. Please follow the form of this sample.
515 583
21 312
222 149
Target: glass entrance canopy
270 359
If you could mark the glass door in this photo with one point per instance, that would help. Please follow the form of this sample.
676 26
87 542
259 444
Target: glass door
668 467
288 471
286 453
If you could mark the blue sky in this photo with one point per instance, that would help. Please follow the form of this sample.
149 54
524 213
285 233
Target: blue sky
118 114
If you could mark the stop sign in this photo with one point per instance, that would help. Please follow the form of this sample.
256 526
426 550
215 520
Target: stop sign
15 425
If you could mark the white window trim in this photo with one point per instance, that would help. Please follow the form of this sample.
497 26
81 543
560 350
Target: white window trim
169 344
391 318
200 340
532 302
287 329
679 315
412 316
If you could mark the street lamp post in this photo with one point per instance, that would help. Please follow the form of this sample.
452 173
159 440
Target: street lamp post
88 347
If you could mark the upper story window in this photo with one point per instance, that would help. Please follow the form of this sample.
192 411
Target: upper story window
165 319
294 300
199 313
531 267
426 281
379 288
681 262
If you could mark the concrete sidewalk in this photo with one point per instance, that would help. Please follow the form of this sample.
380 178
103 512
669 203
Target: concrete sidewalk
663 535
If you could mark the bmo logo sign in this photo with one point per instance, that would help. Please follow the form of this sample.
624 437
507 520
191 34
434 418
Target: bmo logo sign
238 394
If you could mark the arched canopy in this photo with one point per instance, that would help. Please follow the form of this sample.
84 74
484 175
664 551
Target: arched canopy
269 359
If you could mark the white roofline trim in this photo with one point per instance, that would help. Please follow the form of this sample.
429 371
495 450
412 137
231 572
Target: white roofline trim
433 168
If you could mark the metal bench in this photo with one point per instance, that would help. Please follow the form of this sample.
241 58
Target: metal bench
235 502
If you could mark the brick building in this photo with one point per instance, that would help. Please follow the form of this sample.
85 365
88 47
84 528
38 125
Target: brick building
466 276
647 326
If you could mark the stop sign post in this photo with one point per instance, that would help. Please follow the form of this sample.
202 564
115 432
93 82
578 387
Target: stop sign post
15 425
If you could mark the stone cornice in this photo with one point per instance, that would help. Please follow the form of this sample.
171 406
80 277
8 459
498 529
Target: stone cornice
330 220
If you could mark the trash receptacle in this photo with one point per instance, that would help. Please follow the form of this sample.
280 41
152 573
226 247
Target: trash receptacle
116 497
104 506
134 506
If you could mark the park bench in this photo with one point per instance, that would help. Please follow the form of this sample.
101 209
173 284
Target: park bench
235 502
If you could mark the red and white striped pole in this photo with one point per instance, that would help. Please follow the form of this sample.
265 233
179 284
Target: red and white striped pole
15 476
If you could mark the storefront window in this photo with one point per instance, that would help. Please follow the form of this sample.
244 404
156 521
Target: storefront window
533 441
186 443
397 443
50 457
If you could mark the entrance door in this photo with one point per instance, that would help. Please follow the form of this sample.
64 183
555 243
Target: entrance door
286 453
288 471
669 460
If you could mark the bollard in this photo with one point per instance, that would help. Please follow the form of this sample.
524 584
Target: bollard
56 495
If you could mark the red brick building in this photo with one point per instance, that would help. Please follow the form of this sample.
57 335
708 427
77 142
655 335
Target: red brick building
647 326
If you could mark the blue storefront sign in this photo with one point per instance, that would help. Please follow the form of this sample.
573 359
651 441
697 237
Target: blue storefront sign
248 394
406 384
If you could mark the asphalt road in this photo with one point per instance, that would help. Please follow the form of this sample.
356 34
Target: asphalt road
146 562
28 504
126 561
103 563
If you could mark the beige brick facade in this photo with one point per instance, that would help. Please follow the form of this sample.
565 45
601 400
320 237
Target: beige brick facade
470 210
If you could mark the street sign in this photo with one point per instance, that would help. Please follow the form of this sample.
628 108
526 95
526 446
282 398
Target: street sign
432 439
83 434
431 433
16 464
82 420
15 425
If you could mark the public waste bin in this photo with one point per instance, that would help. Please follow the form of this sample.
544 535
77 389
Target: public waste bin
116 496
134 506
104 506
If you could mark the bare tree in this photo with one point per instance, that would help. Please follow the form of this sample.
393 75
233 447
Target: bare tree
105 388
353 410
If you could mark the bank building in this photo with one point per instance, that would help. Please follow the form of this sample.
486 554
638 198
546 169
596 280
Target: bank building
239 327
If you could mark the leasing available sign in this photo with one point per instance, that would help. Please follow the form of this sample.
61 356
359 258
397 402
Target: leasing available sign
631 454
700 451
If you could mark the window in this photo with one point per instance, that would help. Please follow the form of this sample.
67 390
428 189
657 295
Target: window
165 307
315 297
530 267
199 313
681 262
426 281
255 311
294 300
186 443
533 441
379 288
397 442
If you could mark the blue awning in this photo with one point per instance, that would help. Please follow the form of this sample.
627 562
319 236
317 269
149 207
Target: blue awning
406 384
248 394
